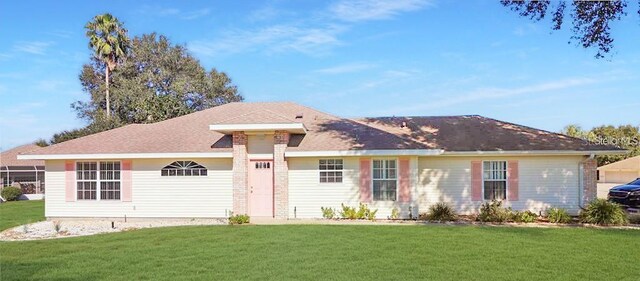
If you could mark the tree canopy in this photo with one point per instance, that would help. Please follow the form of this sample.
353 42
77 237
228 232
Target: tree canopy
625 136
590 19
157 80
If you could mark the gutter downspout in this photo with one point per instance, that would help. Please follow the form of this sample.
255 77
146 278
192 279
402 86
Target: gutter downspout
581 180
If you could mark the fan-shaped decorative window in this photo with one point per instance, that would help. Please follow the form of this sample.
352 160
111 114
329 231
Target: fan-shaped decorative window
184 168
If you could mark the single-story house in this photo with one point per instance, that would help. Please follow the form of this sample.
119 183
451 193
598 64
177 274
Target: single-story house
286 160
27 174
617 173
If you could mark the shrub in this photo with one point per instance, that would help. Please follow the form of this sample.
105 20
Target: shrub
526 217
603 212
371 215
558 215
634 218
441 212
494 212
348 212
328 213
395 213
11 193
363 212
239 219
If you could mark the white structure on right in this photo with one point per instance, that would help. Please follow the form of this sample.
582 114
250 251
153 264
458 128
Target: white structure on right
617 173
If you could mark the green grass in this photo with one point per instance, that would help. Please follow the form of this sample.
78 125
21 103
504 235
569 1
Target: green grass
329 252
15 213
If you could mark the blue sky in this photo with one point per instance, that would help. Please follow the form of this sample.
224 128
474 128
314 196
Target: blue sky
350 58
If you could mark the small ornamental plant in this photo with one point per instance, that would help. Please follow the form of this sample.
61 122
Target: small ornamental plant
558 215
602 212
238 219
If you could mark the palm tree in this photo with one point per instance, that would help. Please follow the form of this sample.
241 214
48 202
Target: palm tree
109 41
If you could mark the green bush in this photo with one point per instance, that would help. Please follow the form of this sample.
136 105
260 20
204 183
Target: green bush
558 215
363 212
239 219
328 213
603 212
348 212
371 215
634 218
441 212
494 212
525 217
11 193
395 213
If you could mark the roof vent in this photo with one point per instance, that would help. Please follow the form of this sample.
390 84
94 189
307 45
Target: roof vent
299 116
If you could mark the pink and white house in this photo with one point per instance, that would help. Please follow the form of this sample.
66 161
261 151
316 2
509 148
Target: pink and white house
285 160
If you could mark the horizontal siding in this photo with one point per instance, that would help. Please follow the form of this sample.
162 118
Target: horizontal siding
544 182
307 195
152 194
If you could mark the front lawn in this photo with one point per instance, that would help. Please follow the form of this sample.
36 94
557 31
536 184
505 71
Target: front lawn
16 213
330 252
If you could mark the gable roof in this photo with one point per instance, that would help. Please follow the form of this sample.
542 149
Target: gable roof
190 133
9 157
632 163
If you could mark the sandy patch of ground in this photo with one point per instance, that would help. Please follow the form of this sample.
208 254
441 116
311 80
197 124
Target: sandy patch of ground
72 228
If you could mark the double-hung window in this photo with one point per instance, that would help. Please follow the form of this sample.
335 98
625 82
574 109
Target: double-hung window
98 180
494 177
385 175
330 170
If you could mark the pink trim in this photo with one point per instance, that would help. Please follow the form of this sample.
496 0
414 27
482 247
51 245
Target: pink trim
365 180
512 180
126 181
476 180
70 181
405 181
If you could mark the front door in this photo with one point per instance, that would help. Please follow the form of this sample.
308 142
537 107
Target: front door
261 188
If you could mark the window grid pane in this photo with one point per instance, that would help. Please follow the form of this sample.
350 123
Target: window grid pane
109 180
330 170
384 180
495 180
86 177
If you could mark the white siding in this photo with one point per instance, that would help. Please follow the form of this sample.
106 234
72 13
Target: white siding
544 182
152 194
307 195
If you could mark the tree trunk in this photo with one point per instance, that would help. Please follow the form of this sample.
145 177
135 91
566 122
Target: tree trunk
106 81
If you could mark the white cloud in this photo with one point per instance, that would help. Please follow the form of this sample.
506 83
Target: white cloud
499 93
33 47
191 15
345 68
276 38
61 33
364 10
174 12
313 33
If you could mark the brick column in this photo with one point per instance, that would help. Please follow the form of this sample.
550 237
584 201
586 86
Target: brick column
280 175
589 180
240 175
